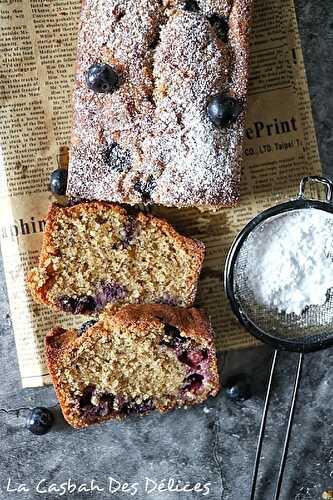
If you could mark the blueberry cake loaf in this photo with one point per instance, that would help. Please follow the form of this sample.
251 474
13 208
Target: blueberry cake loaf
94 254
159 101
143 358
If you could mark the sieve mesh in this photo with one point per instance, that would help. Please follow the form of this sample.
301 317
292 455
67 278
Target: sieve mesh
313 325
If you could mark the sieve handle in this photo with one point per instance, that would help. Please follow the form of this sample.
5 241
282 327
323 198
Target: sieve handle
288 431
320 180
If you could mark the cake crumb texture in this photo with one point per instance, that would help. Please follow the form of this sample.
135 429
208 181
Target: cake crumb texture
143 358
94 254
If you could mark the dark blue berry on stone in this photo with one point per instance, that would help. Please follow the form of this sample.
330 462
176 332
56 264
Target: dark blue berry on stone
223 110
85 326
238 388
221 27
102 79
39 421
191 6
58 181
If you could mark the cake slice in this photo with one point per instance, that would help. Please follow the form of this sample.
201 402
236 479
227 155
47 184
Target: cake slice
159 101
143 358
94 254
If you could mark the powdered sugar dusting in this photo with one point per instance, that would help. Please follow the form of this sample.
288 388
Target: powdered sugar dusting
291 260
170 62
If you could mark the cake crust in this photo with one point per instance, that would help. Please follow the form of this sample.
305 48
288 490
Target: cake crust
63 348
97 253
151 141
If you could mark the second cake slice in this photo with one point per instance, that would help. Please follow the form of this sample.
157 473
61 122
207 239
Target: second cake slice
95 254
143 358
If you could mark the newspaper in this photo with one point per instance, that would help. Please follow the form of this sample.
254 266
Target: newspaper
37 40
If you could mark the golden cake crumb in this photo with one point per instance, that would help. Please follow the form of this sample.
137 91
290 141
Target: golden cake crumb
94 254
141 358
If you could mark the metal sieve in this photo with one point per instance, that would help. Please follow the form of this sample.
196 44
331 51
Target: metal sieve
310 331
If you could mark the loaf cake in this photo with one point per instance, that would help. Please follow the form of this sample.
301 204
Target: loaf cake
94 254
143 358
159 102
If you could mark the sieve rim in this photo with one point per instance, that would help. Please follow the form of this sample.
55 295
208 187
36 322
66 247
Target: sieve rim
251 327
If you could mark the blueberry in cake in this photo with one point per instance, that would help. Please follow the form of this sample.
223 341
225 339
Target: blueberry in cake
94 254
159 101
143 358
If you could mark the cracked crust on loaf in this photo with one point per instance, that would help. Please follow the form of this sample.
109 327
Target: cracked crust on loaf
151 141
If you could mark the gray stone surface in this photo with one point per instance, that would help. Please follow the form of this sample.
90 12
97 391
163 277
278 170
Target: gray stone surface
213 443
316 26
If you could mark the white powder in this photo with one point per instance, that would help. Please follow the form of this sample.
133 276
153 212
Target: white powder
291 260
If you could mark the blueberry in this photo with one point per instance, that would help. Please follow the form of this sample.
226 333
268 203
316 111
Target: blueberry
166 299
223 110
191 6
77 305
145 188
102 78
86 304
193 382
172 337
172 331
68 304
193 358
130 408
39 421
85 326
103 408
75 200
238 388
86 396
118 159
221 26
109 292
129 233
58 181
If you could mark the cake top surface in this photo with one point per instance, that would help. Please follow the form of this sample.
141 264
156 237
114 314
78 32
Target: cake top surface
152 137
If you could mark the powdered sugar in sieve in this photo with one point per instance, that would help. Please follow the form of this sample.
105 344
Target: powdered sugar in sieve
290 260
